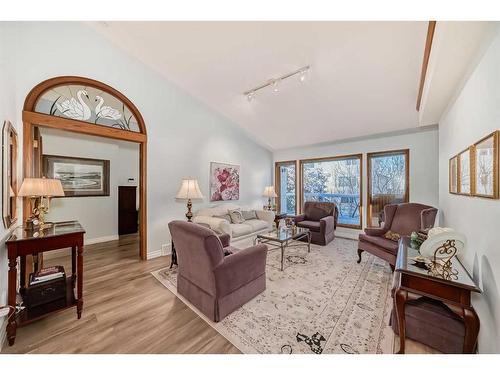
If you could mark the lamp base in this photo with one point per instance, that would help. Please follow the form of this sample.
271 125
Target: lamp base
189 214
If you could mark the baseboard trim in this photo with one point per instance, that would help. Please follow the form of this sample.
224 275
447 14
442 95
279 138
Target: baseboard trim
92 241
164 251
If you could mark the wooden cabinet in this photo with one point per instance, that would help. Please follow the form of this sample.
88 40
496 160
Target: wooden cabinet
127 210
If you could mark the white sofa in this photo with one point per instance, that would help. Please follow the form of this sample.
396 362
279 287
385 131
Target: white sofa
263 223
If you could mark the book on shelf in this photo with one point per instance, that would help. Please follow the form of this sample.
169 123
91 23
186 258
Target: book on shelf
47 274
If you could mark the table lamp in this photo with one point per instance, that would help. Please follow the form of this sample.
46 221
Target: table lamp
40 191
269 193
189 190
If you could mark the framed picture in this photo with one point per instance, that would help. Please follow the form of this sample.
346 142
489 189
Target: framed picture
80 177
224 182
486 166
465 176
453 175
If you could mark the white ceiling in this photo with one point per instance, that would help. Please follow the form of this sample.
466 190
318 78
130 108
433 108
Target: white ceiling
363 80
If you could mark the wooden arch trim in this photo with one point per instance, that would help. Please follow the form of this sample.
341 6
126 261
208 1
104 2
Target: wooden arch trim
32 119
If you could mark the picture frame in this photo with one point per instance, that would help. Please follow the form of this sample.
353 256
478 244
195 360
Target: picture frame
465 172
224 182
80 177
9 174
486 163
453 175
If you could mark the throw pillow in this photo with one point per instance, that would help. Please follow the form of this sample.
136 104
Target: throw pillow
249 215
236 216
393 236
225 217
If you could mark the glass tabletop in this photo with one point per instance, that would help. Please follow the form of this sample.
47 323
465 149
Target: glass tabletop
405 264
284 234
55 229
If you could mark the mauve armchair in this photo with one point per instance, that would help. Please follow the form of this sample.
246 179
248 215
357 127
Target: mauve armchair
402 219
321 219
216 284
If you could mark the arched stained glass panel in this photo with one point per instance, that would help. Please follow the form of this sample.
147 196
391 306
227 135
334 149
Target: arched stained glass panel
89 104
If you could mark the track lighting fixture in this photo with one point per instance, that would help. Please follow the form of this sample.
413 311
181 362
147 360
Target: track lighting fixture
275 82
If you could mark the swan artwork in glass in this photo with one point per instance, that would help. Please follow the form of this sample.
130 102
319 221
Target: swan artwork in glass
105 111
76 110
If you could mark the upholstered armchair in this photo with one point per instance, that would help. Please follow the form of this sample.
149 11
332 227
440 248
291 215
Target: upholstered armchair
401 219
321 219
216 284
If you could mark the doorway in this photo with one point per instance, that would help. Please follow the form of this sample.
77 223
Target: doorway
85 106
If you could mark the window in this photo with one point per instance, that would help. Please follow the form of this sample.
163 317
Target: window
388 182
286 178
337 180
89 104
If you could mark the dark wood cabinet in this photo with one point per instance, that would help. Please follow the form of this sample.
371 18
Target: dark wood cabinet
127 210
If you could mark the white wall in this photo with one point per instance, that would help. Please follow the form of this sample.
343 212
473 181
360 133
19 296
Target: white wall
183 134
8 111
475 114
423 145
98 215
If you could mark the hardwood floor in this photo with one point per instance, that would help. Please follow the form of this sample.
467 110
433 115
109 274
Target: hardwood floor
126 310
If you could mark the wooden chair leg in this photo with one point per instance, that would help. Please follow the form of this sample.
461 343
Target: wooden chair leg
359 255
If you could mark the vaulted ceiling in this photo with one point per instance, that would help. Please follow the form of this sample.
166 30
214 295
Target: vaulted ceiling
363 79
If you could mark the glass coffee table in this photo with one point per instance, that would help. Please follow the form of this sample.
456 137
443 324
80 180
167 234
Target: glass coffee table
283 238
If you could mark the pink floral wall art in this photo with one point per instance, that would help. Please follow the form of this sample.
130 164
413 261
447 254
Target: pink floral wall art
224 182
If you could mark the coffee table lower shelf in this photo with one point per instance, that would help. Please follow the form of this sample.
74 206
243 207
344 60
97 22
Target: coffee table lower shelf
283 240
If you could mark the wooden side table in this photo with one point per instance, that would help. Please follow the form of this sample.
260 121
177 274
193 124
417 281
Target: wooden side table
413 282
28 242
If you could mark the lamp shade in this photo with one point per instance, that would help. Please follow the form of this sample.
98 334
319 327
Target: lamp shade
189 189
269 192
41 187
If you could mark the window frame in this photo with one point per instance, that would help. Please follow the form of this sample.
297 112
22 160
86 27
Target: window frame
369 156
358 156
277 183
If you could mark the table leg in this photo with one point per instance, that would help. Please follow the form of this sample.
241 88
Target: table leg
282 255
309 242
12 325
79 278
173 255
22 276
471 322
73 266
400 298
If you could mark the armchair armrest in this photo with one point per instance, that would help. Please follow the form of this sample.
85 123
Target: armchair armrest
378 232
299 218
240 268
327 224
215 223
265 215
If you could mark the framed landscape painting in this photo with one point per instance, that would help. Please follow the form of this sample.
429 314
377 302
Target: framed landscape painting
80 177
464 172
224 182
486 166
453 173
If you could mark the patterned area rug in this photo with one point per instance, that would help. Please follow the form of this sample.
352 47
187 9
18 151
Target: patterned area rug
323 302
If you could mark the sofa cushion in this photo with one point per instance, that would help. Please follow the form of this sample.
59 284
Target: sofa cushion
313 226
225 217
257 224
236 216
241 229
249 215
382 242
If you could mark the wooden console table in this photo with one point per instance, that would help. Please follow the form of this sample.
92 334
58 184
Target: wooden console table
413 282
24 242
